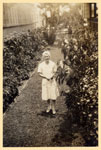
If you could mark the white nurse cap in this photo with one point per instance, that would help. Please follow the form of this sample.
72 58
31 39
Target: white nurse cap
46 53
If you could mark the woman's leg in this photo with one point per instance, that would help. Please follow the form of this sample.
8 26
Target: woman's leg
49 105
53 106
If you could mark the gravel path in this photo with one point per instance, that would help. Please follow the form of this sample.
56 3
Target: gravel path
27 125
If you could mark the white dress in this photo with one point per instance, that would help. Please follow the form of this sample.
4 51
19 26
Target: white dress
49 88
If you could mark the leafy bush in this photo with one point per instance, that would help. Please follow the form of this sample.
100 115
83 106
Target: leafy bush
82 96
21 53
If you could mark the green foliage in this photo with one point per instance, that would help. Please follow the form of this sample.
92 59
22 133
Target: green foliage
21 54
82 98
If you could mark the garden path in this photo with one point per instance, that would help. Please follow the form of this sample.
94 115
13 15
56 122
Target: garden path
25 123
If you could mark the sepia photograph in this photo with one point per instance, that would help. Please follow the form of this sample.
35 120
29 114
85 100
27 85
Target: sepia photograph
50 74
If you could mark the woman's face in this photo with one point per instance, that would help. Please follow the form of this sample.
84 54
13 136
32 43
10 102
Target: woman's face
47 58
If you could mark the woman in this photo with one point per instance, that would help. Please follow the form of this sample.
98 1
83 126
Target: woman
47 70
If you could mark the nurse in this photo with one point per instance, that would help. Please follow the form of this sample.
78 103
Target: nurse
47 70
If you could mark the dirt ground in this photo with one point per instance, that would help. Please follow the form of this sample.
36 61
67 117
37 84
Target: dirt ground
27 125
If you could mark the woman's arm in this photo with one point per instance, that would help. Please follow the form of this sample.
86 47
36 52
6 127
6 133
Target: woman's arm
41 75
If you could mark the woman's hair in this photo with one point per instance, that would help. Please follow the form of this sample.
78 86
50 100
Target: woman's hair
47 49
46 53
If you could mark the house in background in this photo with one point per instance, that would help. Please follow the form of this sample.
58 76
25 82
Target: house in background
20 16
23 16
90 13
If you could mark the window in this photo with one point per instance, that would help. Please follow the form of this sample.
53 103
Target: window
92 10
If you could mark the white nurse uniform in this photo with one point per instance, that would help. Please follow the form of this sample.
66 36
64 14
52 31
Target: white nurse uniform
49 87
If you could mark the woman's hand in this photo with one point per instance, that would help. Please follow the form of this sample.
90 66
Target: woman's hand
41 75
50 78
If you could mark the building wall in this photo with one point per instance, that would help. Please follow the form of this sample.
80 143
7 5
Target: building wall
18 17
86 11
89 10
90 13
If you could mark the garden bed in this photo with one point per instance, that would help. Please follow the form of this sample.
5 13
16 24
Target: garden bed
21 54
80 77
